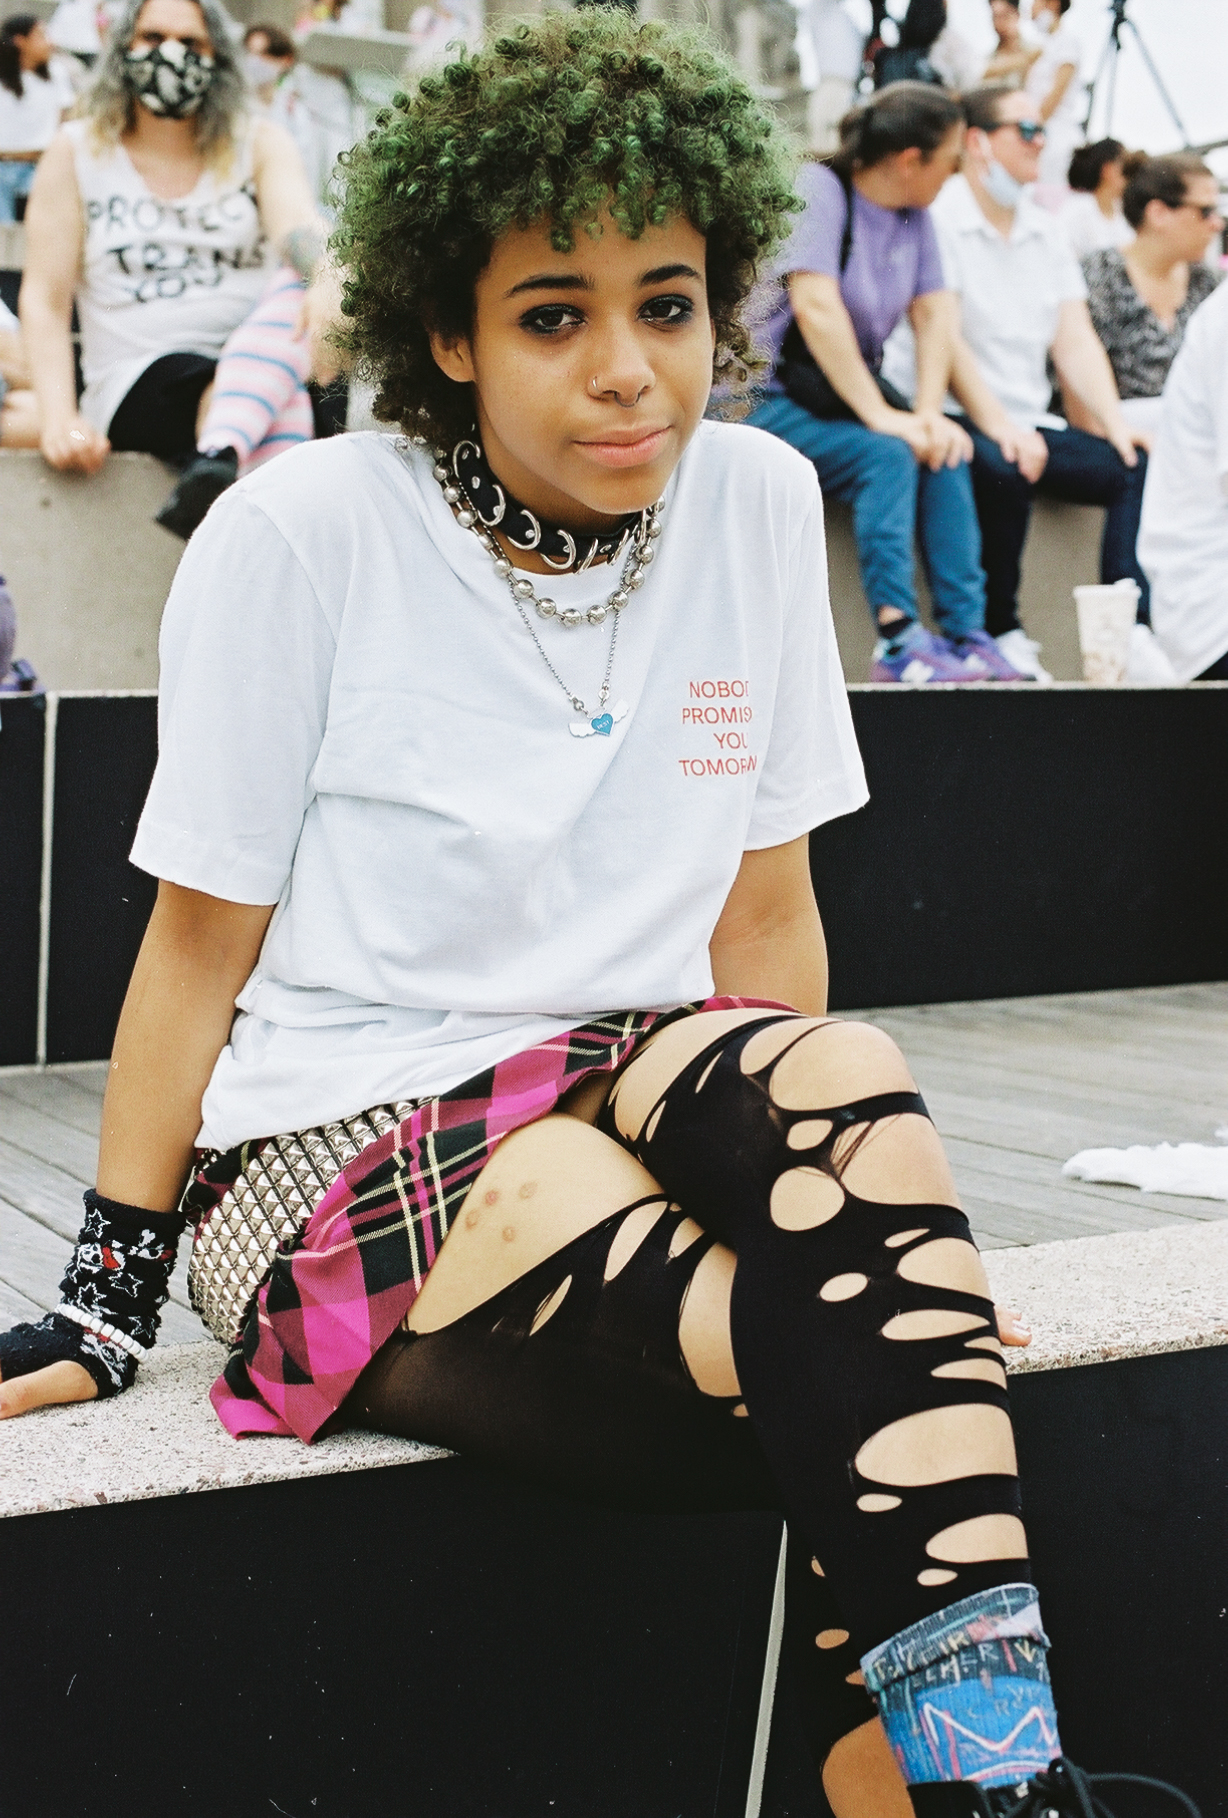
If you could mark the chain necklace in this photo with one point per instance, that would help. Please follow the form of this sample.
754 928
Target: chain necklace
524 594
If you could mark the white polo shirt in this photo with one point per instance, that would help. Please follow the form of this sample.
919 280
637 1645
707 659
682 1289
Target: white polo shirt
1183 537
1011 294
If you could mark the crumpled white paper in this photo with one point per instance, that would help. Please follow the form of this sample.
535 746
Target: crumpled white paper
1194 1169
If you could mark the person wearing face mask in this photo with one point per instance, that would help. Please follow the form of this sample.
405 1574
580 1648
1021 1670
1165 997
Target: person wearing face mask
1054 86
269 57
1023 300
188 237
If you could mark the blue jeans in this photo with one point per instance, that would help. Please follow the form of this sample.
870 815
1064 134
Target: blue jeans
896 503
1083 468
15 181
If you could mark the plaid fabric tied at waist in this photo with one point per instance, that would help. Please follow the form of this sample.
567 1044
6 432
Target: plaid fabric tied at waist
339 1292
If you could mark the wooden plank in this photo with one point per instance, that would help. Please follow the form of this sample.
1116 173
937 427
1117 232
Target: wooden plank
16 1310
33 1257
979 1166
56 1095
49 1139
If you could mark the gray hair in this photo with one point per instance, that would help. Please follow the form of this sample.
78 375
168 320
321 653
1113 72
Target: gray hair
110 106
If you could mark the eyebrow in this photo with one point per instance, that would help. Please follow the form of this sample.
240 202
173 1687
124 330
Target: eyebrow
660 274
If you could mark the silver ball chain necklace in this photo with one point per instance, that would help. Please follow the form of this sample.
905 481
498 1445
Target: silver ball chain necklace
634 573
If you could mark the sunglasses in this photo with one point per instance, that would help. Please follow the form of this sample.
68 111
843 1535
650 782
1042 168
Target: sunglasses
1029 130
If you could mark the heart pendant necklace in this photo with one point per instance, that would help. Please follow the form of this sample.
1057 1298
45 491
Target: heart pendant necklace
592 724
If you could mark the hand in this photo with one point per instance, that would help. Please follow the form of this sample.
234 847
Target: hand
1011 1329
910 428
56 1383
1025 449
74 446
1126 440
319 315
950 443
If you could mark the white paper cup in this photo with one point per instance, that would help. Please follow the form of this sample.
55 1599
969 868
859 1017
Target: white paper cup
1106 618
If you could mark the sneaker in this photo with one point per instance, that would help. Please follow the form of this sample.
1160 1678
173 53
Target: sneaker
916 655
1062 1791
204 479
984 661
1023 654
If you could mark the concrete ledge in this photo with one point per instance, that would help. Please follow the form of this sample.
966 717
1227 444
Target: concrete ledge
1092 1300
1096 1300
88 568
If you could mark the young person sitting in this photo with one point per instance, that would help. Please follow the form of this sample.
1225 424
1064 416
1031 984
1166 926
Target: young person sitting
861 256
156 210
440 802
1093 216
1022 301
34 95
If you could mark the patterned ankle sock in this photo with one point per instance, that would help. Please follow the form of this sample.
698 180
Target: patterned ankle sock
965 1694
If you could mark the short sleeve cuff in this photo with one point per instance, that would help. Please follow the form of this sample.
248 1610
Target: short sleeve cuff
185 859
780 823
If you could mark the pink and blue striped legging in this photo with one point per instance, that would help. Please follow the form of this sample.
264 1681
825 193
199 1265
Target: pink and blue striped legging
260 405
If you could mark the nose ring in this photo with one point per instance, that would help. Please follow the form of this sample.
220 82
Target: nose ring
594 386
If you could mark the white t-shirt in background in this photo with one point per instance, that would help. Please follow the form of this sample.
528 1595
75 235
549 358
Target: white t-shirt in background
1183 536
355 725
29 122
1088 229
1011 294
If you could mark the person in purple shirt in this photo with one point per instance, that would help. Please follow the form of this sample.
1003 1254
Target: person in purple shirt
861 254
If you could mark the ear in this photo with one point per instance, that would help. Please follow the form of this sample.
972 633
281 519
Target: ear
453 356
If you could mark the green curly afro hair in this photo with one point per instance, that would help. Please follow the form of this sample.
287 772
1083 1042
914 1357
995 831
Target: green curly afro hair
549 122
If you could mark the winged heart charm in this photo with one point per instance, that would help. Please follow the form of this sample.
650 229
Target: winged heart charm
601 725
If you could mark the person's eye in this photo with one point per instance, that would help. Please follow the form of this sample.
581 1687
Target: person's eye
670 311
550 318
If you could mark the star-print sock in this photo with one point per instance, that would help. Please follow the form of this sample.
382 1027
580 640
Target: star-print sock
965 1694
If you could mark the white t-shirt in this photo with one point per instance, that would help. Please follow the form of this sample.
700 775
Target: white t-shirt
1011 294
1088 229
1183 537
355 725
30 122
159 276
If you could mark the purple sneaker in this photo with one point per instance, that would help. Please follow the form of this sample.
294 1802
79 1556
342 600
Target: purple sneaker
983 659
916 656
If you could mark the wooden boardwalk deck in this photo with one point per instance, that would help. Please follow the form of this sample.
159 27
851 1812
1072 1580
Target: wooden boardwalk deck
1015 1087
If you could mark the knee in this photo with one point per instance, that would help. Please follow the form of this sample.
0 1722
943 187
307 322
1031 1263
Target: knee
889 462
844 1062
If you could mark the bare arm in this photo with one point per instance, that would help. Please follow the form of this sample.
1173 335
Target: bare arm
934 319
1061 82
1025 447
294 224
55 233
1084 368
13 368
769 940
197 954
827 329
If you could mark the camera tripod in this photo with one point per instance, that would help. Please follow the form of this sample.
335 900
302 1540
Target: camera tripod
1106 72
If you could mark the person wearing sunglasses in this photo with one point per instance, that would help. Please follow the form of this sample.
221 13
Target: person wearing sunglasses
1022 301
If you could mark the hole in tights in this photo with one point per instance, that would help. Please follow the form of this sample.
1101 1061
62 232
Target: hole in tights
933 1322
973 1369
809 1133
938 1445
550 1305
630 1235
803 1198
947 1262
843 1287
831 1638
980 1537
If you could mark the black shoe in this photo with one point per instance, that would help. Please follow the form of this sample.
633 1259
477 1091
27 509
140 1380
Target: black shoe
1062 1791
204 479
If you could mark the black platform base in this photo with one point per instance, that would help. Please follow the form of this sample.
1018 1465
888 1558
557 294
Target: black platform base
435 1642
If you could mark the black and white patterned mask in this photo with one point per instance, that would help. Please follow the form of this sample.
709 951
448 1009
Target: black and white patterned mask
171 79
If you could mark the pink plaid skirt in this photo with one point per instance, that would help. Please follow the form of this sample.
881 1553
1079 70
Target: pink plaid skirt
337 1295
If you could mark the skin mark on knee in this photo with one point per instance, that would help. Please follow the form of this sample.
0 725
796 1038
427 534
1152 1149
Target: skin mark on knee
938 1445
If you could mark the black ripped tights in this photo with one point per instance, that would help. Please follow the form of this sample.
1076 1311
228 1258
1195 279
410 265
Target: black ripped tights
844 1349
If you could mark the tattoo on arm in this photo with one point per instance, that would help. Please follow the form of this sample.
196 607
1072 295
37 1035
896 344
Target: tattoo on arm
303 248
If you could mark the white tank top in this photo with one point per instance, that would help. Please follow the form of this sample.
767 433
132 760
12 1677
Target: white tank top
159 277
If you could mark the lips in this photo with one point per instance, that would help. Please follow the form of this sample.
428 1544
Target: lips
627 448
